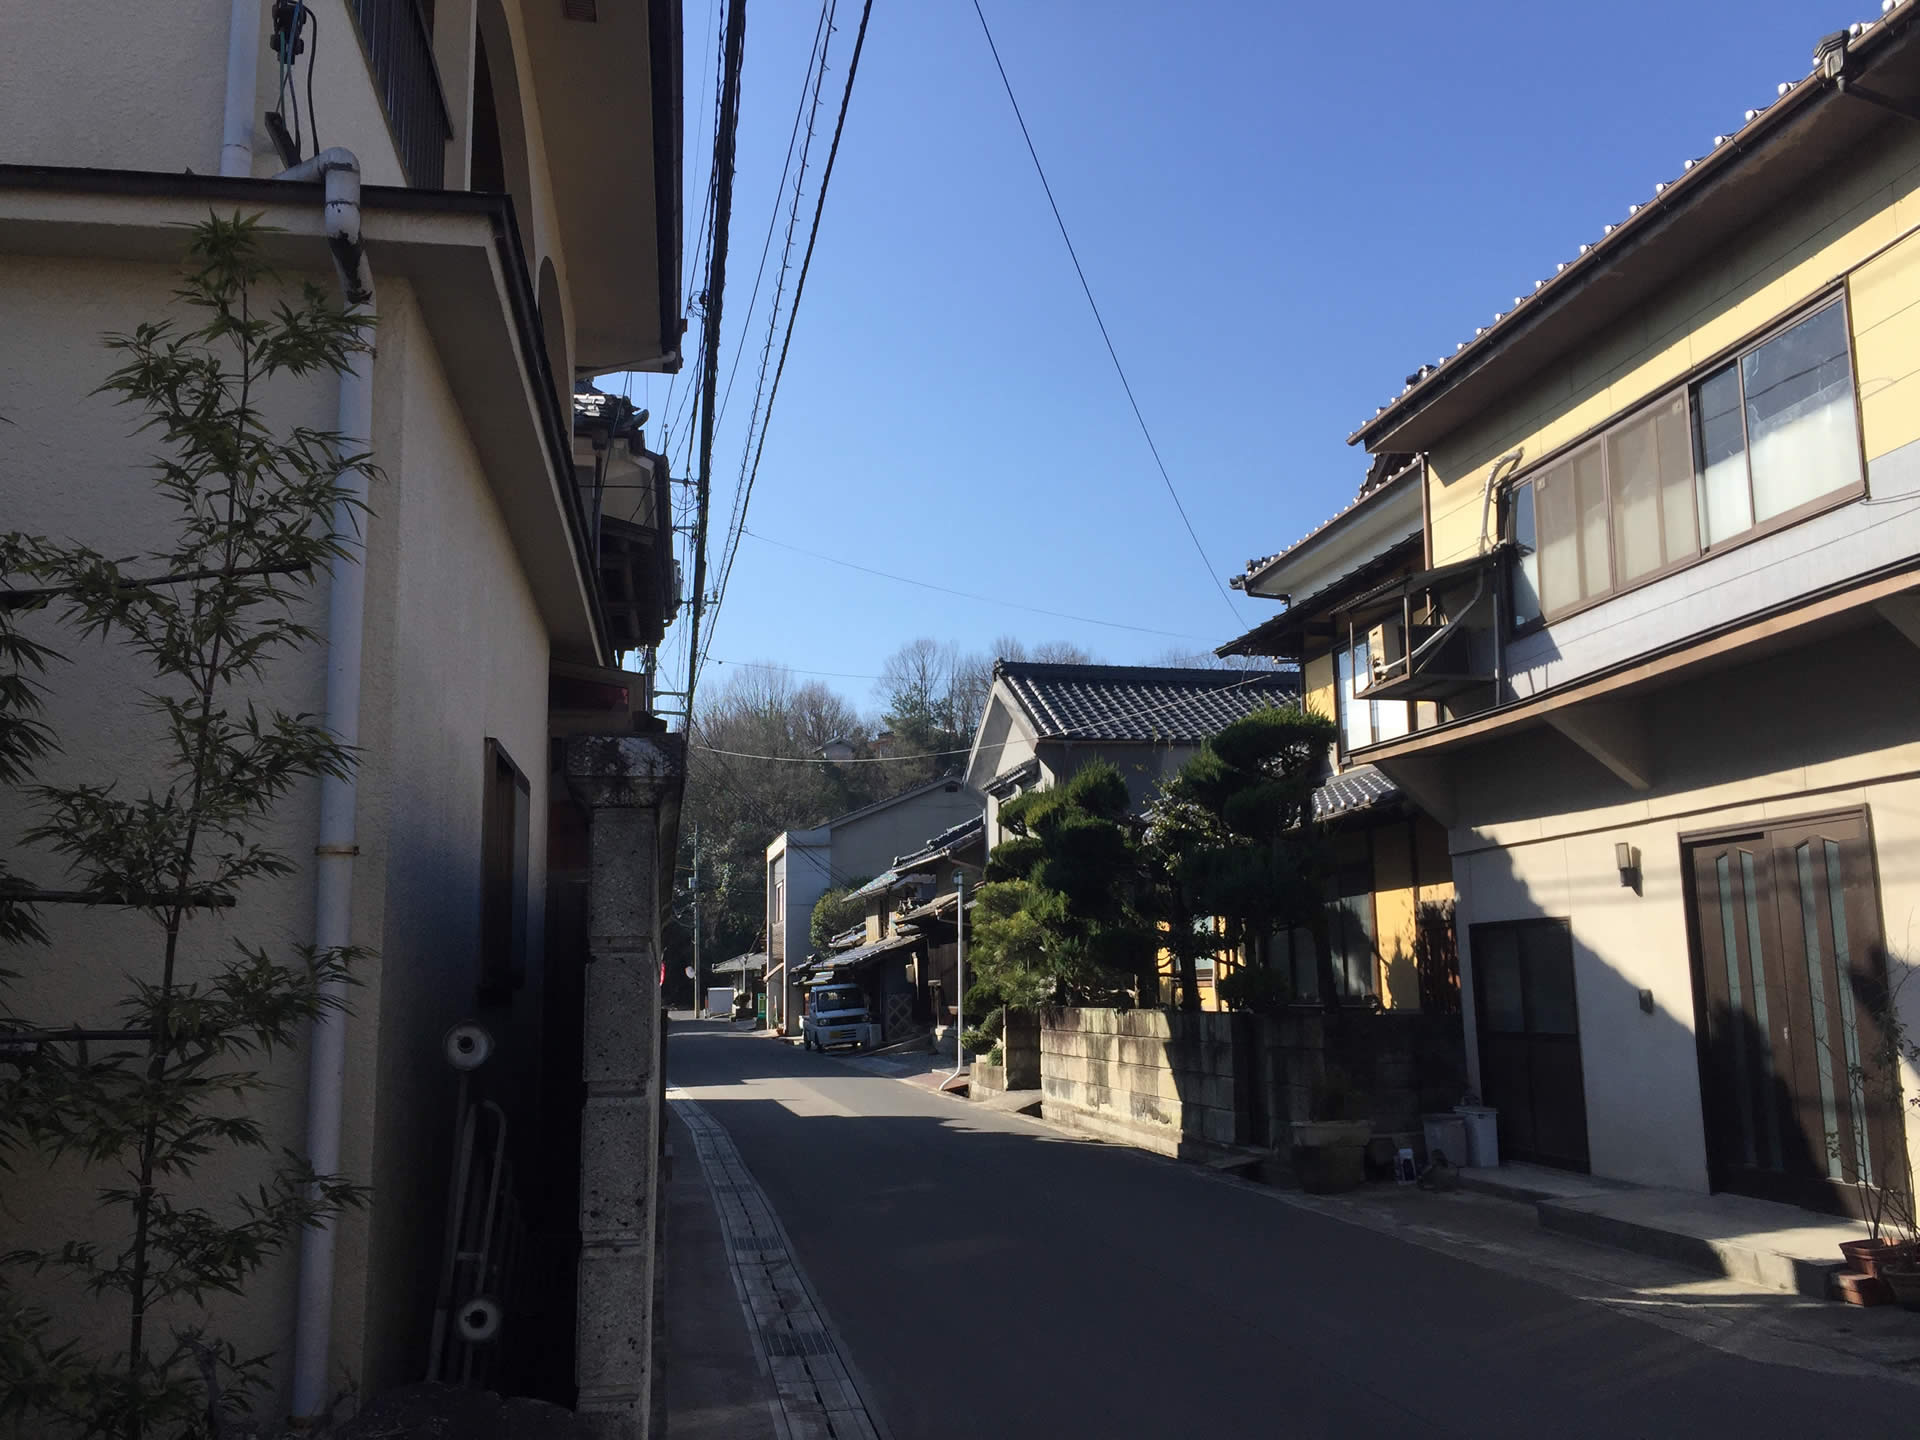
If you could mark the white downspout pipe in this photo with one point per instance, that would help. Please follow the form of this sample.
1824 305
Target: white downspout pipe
335 851
243 68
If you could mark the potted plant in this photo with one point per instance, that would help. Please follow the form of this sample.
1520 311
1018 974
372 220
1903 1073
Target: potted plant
1892 1245
1330 1149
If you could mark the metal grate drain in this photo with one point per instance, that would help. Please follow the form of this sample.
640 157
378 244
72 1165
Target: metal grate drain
788 1342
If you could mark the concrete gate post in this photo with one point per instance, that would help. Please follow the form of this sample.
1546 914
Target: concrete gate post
629 785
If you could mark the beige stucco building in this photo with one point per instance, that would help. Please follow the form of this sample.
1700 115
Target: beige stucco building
519 208
1662 646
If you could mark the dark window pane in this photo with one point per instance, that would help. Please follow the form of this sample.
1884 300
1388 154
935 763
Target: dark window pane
1720 437
1548 960
1496 955
1526 570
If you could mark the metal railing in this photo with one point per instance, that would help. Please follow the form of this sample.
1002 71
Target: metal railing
399 48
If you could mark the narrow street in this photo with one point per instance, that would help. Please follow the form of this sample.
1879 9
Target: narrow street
985 1274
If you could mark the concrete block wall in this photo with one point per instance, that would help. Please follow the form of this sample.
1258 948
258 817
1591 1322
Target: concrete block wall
1179 1083
1160 1079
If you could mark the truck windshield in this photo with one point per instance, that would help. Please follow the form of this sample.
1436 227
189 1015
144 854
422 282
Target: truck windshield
826 1002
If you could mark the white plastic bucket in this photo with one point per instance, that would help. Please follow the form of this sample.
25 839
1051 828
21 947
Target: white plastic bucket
1483 1135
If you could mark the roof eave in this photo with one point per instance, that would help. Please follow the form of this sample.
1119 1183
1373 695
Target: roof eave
1408 421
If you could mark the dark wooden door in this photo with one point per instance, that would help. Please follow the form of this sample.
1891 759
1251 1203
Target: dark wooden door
1529 1029
1789 978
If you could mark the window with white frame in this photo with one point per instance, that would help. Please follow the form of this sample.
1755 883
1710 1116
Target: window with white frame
1764 437
1362 721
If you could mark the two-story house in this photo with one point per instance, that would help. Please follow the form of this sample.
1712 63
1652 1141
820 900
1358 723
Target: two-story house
846 851
496 186
1667 621
1390 916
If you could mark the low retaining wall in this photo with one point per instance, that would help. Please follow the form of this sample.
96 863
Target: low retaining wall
1159 1079
1186 1084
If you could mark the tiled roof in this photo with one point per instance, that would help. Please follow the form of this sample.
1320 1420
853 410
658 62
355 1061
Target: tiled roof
943 845
1139 702
1371 490
1360 788
1727 149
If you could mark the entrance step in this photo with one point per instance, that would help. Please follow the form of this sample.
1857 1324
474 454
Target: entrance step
1774 1246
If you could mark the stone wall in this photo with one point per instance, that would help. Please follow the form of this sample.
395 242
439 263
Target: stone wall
1187 1084
629 786
1159 1079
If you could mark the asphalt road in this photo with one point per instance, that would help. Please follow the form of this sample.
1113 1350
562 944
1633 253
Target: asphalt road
988 1276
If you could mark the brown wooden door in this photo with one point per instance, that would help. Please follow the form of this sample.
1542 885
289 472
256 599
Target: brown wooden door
1529 1029
1789 975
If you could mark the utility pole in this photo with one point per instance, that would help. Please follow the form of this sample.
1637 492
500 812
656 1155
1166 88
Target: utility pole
723 143
959 973
699 969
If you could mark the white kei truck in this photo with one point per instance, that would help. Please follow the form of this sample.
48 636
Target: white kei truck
836 1015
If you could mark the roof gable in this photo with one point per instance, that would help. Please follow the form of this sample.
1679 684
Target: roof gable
1140 704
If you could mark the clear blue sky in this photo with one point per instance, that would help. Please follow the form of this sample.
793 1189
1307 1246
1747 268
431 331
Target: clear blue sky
1283 210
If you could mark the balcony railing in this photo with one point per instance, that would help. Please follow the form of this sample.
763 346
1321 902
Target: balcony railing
399 48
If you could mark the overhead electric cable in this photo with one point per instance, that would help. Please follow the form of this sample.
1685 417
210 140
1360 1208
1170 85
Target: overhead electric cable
800 286
1094 305
969 594
816 61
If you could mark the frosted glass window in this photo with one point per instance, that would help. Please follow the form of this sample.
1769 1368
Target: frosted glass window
1650 478
1559 539
1526 570
1801 433
1590 486
1356 715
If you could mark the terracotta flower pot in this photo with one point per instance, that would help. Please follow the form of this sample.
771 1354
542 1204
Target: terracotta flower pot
1867 1256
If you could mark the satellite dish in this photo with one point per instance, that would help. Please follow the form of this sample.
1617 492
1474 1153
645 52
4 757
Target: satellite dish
689 972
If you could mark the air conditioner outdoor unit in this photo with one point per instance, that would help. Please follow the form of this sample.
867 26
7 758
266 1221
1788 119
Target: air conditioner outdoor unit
1388 644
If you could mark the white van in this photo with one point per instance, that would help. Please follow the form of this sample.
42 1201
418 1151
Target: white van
837 1015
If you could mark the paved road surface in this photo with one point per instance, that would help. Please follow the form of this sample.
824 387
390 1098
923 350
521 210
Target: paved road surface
989 1276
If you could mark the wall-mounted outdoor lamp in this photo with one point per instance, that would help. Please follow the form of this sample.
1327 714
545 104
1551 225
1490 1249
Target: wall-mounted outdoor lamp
1628 859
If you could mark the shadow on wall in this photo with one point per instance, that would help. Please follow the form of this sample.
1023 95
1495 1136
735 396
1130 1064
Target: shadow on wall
1190 1085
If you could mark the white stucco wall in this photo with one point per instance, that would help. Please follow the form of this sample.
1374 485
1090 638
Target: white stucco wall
455 653
1824 728
115 86
71 468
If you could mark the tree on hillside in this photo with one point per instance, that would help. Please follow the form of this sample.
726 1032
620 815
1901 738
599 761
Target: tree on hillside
1060 916
736 802
1232 836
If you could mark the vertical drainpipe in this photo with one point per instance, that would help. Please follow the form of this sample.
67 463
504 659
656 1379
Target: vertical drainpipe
236 129
335 850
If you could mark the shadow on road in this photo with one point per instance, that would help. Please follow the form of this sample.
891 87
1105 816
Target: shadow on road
989 1273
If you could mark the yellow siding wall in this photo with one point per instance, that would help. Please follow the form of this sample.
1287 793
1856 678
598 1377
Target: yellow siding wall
1316 685
1883 295
1410 869
1834 231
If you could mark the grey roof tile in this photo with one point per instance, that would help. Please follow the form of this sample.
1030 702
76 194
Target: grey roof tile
1140 702
1361 788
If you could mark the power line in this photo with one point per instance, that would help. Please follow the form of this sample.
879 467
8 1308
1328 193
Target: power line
799 289
1094 305
791 669
968 594
816 58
